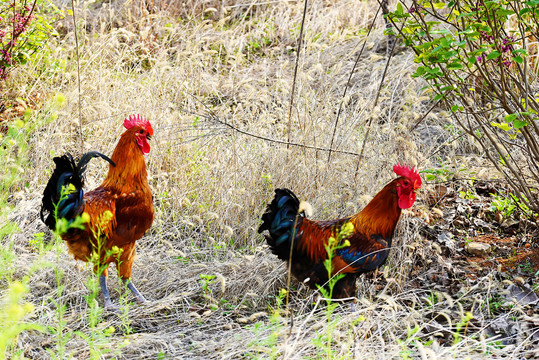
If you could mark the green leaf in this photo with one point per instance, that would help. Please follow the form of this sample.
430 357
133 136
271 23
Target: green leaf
510 117
518 59
520 51
420 71
479 51
504 12
441 31
517 123
504 126
493 55
454 66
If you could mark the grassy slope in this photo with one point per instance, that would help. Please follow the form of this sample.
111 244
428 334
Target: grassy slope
175 65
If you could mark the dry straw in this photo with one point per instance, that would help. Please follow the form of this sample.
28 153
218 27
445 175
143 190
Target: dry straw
180 64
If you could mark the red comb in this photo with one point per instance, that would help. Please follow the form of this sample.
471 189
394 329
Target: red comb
408 172
138 120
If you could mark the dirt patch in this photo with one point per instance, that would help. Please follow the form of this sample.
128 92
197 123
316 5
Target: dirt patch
509 254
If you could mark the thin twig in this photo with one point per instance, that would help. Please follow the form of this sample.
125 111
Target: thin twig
300 42
277 141
78 77
215 118
369 123
424 115
348 82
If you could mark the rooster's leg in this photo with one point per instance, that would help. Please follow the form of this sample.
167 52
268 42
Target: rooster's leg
125 265
134 290
105 291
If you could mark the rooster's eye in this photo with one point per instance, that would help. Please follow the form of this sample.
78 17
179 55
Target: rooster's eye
141 131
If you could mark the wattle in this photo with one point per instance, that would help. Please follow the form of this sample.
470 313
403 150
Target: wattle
406 202
144 145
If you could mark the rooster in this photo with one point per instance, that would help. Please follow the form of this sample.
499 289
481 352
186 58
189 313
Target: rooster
362 241
117 213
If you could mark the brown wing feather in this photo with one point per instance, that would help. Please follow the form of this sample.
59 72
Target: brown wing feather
364 253
134 214
313 236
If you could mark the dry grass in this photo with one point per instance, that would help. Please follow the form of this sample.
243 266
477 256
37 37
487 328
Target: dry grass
174 64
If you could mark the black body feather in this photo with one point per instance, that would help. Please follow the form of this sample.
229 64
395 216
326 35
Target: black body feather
65 174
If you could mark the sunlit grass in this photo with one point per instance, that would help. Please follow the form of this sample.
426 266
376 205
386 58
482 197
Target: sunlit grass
213 287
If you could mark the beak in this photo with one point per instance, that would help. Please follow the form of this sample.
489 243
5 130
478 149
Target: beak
148 137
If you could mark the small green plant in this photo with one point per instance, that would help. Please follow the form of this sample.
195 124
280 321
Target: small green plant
205 281
12 314
432 299
523 204
268 343
462 324
468 194
495 304
526 267
98 339
334 244
504 205
324 341
443 173
406 353
6 259
412 339
62 226
497 344
38 243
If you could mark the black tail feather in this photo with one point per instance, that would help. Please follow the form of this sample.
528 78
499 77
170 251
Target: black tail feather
85 159
280 220
67 177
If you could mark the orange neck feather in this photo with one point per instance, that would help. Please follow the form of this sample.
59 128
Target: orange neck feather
130 168
382 214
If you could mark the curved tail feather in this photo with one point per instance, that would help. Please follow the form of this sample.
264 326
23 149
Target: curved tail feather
63 195
279 219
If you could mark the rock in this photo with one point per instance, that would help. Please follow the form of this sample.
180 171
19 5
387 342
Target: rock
477 248
523 295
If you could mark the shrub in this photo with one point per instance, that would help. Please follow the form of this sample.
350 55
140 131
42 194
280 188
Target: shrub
24 29
480 60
